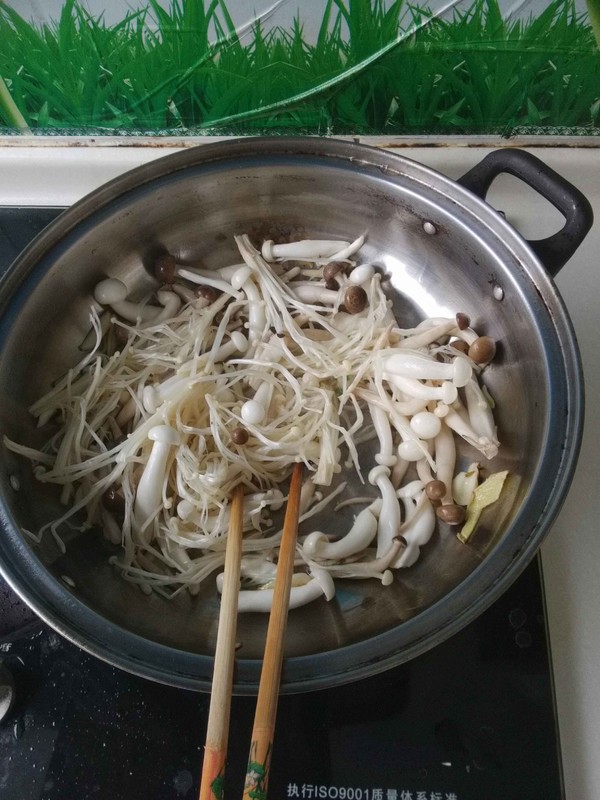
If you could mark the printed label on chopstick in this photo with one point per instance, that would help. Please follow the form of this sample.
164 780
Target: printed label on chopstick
319 791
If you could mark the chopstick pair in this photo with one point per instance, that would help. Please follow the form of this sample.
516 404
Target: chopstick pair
217 733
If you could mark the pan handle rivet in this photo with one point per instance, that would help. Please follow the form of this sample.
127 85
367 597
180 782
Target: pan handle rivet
429 228
498 292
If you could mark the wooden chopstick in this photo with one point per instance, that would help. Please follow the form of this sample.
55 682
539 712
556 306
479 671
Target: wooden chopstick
261 744
217 731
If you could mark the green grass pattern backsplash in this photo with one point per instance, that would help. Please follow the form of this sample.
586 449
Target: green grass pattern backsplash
374 67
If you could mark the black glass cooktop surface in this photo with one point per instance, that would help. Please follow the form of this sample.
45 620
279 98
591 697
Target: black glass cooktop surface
473 719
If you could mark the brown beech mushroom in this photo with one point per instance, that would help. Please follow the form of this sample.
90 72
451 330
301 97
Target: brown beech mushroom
239 436
330 273
165 268
462 321
451 513
113 500
461 346
482 350
435 490
355 299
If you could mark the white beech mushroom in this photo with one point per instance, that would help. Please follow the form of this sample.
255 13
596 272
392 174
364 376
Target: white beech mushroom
149 490
362 274
311 250
381 422
319 583
257 321
358 538
113 292
447 391
377 568
419 366
425 424
389 516
445 459
416 530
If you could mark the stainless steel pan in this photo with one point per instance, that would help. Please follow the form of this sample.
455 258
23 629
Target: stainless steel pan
443 249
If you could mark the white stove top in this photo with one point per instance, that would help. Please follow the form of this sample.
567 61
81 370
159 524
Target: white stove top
59 175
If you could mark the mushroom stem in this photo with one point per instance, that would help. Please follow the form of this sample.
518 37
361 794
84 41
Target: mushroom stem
186 294
306 495
376 568
424 471
315 293
399 470
480 416
171 304
389 516
348 251
445 459
242 279
383 430
112 529
308 249
423 338
421 367
127 412
447 392
261 600
358 538
203 280
255 410
149 490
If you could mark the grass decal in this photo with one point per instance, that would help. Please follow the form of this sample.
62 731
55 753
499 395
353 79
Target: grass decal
375 68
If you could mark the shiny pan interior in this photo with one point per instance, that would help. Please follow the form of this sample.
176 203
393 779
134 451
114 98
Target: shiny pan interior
192 204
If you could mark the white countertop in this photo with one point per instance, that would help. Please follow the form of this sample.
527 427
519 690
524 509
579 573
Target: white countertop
59 175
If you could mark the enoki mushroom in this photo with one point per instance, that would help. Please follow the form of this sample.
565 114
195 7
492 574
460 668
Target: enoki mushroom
231 376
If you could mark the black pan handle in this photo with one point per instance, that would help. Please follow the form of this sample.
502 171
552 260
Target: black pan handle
557 249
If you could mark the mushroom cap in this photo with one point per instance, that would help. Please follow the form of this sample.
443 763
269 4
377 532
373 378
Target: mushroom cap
410 450
240 341
482 350
164 434
253 412
240 277
449 392
324 580
165 268
314 542
425 424
165 296
361 274
378 472
462 371
387 578
110 290
355 299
